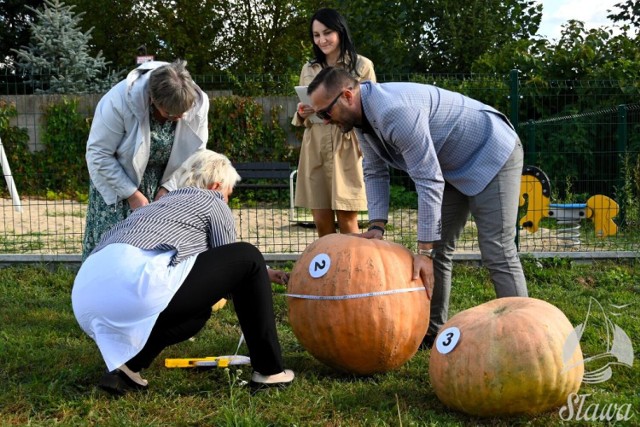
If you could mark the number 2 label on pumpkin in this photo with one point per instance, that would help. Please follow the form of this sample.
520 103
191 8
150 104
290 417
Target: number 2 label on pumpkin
319 265
448 339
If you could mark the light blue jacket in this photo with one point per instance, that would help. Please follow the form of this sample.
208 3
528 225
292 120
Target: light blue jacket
119 141
435 136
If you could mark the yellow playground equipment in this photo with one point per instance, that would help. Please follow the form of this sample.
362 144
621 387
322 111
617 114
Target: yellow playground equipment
535 191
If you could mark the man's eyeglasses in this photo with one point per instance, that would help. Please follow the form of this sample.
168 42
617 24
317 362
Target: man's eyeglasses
325 113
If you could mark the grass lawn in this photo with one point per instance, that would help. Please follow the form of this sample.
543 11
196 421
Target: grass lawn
49 367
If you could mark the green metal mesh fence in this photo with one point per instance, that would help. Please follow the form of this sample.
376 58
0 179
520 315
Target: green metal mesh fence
581 135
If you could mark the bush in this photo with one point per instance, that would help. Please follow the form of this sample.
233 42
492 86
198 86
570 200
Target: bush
629 194
63 158
16 145
237 129
58 169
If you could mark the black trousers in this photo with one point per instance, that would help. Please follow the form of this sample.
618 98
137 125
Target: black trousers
238 269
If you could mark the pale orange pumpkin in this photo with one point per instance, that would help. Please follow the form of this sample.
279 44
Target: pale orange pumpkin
377 330
509 359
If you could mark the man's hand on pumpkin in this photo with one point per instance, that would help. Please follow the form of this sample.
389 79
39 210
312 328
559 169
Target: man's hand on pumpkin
423 269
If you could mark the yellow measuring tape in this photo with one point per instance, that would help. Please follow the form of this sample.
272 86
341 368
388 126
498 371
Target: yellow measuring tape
214 361
217 361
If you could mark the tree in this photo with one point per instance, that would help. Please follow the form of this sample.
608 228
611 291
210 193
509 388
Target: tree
437 36
388 33
457 33
168 30
57 59
268 37
15 17
118 30
579 54
192 31
629 12
243 37
234 36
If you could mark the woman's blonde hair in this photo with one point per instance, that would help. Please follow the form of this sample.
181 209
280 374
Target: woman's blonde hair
207 167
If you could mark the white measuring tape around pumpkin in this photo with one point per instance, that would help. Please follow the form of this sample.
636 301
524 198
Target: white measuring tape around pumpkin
319 266
353 296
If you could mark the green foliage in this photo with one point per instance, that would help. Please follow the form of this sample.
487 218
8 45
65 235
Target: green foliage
629 11
567 139
121 28
65 138
212 35
563 191
21 243
15 31
493 23
59 169
50 367
265 36
401 198
434 36
629 195
238 129
253 85
59 52
188 30
16 145
272 37
579 54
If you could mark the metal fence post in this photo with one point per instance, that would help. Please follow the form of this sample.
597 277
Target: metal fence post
621 148
530 152
514 97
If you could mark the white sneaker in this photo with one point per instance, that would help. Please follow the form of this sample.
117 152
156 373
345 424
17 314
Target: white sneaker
281 380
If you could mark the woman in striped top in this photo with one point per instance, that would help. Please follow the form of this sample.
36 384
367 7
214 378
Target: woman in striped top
152 280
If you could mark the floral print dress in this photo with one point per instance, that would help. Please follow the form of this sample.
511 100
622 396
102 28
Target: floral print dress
100 216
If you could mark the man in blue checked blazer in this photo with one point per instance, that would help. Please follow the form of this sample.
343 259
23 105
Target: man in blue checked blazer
464 158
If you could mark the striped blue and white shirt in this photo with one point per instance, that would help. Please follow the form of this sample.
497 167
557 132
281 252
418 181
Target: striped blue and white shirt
189 220
435 136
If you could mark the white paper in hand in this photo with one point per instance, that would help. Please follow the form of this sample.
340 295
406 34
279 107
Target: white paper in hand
304 98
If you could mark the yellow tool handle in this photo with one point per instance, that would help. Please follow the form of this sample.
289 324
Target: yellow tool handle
220 362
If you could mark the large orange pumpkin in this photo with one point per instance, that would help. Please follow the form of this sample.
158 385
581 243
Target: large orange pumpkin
362 313
506 357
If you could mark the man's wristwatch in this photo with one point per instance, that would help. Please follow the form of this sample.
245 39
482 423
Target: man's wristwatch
376 227
426 252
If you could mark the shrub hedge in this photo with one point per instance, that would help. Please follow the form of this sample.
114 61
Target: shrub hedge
237 128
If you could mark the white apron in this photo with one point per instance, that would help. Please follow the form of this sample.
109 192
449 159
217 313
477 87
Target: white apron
119 293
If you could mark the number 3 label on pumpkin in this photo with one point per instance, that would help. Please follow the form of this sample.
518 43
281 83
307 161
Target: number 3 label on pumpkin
448 339
319 265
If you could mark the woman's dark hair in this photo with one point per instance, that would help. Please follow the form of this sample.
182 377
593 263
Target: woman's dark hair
331 19
172 89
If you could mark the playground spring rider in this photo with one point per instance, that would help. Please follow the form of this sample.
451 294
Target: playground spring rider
535 189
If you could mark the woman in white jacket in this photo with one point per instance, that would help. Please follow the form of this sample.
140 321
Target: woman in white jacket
143 129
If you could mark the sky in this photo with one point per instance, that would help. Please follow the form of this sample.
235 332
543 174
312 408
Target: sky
555 13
